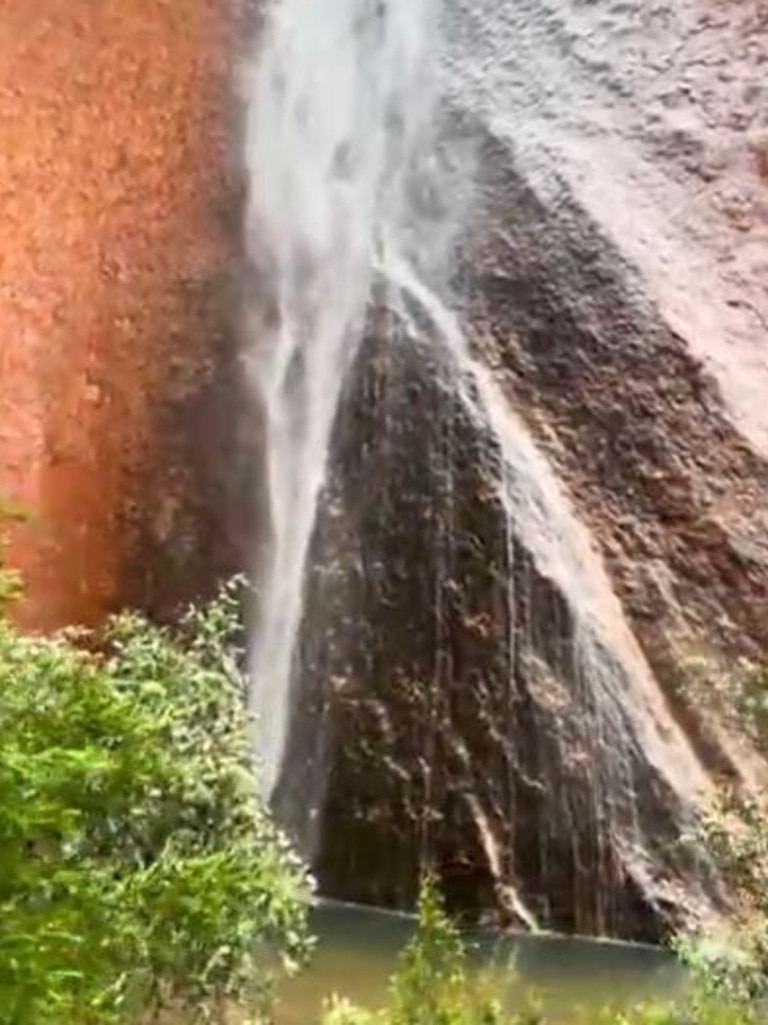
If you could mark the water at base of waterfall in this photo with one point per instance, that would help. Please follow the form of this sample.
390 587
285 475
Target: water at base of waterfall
359 947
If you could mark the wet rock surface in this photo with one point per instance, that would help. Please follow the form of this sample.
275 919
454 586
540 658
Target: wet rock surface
456 708
621 267
475 706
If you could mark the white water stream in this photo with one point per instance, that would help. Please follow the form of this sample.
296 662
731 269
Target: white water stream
340 104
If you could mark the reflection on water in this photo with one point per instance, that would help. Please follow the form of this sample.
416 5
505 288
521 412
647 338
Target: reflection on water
358 948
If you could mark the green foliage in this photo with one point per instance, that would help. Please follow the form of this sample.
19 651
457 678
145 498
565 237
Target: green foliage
727 970
693 1011
737 691
433 983
10 581
727 964
138 867
734 831
730 964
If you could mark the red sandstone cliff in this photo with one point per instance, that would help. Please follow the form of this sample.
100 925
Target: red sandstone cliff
111 176
617 286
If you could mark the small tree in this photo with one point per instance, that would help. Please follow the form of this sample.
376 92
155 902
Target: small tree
434 983
138 866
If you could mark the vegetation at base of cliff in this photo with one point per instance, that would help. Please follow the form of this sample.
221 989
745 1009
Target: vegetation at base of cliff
138 867
10 580
733 831
434 985
139 870
737 692
731 963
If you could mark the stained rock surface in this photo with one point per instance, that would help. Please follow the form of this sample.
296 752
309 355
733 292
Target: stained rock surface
621 284
503 692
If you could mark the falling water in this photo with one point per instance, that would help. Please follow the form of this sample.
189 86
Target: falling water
348 188
350 194
340 97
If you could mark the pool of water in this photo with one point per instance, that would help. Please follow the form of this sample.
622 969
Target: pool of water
358 948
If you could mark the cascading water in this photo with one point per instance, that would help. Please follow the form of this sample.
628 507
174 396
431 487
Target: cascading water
348 188
339 104
356 201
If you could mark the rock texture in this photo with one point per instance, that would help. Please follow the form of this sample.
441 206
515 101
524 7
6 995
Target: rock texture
501 691
115 325
492 678
623 269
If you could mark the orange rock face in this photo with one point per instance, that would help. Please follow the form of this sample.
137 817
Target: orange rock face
111 117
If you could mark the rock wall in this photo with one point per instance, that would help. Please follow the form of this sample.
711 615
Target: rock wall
472 696
516 687
115 307
499 695
623 268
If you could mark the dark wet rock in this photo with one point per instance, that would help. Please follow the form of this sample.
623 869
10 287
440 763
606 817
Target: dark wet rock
456 709
501 693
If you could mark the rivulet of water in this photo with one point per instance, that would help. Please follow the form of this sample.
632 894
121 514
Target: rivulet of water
340 102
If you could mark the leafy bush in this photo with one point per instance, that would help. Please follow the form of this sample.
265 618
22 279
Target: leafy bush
730 963
736 691
138 867
433 983
693 1011
10 580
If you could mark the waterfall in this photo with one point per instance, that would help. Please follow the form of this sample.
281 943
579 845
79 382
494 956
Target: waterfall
523 687
340 103
357 198
350 187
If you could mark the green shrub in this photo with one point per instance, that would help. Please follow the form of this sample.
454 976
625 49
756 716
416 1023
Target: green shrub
433 983
736 691
138 867
729 963
10 580
693 1011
